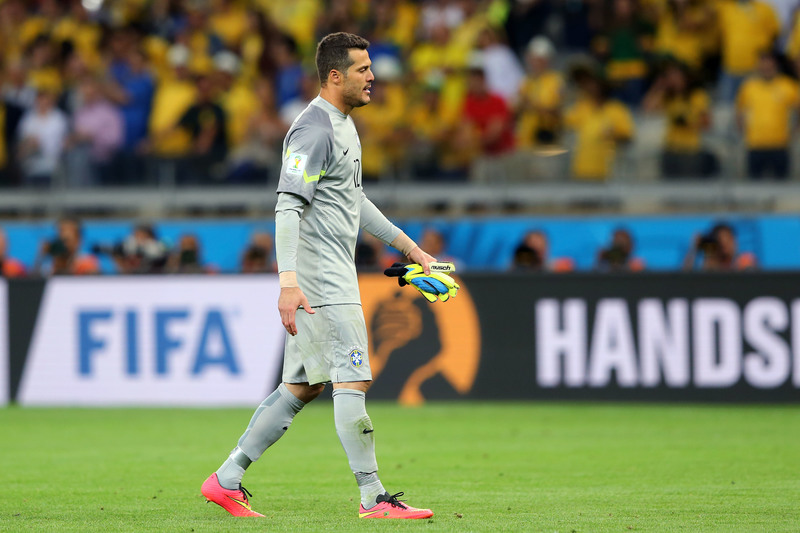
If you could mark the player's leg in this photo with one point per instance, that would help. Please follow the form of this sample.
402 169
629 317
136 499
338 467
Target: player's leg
355 431
352 378
357 436
268 424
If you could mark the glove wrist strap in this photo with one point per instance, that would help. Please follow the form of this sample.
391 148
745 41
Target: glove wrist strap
403 243
288 279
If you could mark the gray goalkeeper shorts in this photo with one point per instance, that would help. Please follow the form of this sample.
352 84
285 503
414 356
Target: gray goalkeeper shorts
330 345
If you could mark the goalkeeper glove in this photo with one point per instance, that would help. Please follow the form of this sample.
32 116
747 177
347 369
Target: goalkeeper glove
433 286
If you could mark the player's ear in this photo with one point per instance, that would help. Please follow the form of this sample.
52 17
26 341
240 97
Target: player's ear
335 76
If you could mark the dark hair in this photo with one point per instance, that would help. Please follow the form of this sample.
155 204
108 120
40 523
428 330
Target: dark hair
691 83
722 226
147 229
526 258
333 53
75 221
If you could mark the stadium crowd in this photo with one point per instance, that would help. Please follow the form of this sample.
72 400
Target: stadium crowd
202 91
143 251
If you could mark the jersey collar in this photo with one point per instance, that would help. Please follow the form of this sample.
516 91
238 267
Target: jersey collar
326 105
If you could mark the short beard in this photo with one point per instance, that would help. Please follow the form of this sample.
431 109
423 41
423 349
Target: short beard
355 99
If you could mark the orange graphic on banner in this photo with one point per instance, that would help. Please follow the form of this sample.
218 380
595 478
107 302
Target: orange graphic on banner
396 317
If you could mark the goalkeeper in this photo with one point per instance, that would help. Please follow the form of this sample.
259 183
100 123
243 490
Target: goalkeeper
320 209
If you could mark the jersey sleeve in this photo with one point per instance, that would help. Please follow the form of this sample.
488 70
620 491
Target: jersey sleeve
375 223
287 231
308 151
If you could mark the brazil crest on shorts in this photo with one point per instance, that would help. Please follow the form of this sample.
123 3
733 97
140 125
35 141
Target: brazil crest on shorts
356 357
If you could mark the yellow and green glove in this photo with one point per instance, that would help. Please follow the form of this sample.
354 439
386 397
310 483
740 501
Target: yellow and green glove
434 286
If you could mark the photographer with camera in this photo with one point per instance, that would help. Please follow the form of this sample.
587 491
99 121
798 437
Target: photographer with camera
533 254
186 258
718 252
618 256
140 253
9 266
63 252
258 256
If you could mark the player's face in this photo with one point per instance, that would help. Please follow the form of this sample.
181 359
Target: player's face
357 83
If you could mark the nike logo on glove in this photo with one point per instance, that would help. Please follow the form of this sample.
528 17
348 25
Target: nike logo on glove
368 431
345 152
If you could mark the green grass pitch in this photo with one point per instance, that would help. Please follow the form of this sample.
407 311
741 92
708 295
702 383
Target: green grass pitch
479 466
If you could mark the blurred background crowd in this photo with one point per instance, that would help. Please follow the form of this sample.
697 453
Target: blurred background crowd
201 92
66 250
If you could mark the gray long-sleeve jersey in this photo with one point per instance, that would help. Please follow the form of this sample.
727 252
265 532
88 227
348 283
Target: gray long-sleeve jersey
321 205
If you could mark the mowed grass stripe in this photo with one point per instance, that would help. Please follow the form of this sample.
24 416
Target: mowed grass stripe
480 466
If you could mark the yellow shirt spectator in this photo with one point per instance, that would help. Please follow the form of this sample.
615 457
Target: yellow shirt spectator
172 98
599 128
685 121
126 11
428 122
32 28
766 108
11 48
229 22
240 104
540 102
748 28
454 91
431 59
199 42
84 35
433 125
156 48
252 48
380 123
47 78
298 18
793 46
428 57
465 36
406 18
681 34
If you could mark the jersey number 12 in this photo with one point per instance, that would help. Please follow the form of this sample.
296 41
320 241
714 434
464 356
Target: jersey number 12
357 173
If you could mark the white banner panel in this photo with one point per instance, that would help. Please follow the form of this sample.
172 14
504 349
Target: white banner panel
172 340
4 392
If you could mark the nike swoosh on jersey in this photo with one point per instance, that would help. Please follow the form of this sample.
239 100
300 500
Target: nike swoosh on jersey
345 152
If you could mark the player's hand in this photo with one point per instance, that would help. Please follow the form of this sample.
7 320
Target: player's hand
289 302
417 255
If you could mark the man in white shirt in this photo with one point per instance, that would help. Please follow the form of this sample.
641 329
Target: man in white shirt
41 134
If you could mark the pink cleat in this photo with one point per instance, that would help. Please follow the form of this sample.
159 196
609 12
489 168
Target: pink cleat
391 507
233 501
